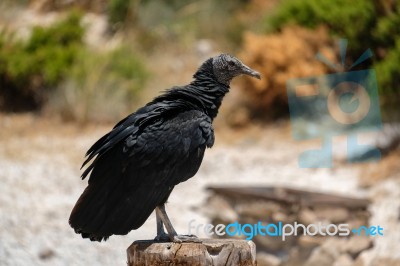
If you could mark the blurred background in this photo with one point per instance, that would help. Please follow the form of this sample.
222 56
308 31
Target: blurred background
69 70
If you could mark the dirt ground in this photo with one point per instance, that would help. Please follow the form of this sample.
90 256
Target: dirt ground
39 184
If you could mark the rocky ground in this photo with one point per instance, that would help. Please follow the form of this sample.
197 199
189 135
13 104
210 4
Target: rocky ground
40 160
39 184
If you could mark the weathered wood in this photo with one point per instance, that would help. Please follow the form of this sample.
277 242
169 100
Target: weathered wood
291 196
208 252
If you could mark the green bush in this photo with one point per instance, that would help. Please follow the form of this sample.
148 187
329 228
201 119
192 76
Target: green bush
101 86
387 30
388 70
28 69
54 68
156 22
365 23
119 11
351 21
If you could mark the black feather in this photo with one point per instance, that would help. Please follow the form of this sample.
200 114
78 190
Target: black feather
136 165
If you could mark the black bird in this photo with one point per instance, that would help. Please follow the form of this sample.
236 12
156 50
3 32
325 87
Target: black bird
138 163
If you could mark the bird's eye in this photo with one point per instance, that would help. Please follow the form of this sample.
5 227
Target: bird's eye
231 63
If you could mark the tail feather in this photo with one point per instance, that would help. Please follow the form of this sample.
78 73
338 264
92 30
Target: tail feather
113 209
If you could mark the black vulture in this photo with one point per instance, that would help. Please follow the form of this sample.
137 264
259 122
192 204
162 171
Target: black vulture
135 166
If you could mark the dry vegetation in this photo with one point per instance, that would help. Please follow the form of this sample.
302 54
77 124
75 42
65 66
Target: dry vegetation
280 57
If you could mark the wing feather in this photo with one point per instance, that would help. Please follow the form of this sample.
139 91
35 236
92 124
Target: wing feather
136 166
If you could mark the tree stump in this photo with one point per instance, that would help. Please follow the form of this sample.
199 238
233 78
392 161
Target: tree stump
208 252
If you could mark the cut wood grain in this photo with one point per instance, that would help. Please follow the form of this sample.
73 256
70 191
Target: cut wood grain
208 252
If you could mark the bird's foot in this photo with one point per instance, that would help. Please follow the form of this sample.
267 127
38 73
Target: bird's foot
186 238
163 237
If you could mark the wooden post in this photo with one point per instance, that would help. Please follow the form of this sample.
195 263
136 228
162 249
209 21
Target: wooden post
213 252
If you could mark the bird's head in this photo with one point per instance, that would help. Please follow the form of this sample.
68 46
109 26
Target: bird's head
226 67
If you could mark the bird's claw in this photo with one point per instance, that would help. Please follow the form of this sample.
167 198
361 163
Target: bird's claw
162 238
186 238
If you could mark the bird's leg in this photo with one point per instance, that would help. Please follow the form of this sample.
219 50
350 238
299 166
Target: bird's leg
161 235
173 236
163 217
160 225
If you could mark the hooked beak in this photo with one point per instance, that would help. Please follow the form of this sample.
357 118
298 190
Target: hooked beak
248 71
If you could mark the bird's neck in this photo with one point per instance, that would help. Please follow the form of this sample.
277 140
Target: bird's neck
207 89
209 95
204 93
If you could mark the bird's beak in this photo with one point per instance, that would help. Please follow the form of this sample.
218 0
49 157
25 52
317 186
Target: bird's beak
248 71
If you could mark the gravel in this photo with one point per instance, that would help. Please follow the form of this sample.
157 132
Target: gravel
39 184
